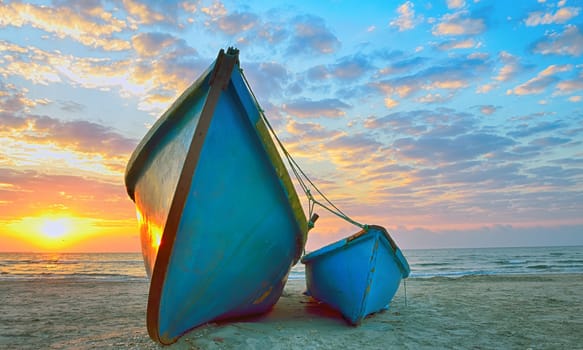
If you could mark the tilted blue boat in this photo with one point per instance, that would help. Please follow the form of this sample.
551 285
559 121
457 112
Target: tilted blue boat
358 275
220 221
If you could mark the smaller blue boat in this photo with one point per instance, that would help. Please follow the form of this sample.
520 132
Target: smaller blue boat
358 275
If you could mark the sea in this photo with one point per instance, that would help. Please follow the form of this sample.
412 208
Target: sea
424 263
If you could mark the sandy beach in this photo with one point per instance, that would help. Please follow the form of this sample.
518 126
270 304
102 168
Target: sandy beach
473 312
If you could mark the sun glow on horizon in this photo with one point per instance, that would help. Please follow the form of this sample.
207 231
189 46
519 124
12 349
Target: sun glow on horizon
56 228
53 231
68 232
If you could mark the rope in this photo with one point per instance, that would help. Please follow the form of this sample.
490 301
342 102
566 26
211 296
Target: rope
299 174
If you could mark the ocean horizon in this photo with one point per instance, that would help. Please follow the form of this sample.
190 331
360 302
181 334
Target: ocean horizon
424 263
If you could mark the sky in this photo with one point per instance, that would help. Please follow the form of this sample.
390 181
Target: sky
451 123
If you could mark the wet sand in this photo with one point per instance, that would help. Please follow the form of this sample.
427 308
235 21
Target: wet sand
474 312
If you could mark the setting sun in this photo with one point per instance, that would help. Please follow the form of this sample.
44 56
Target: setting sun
67 231
55 228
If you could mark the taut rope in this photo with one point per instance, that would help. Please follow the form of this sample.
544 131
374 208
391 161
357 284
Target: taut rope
301 175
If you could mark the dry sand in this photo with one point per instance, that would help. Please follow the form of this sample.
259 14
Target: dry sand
480 312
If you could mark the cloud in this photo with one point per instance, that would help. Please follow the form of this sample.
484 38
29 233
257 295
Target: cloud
14 101
484 89
310 132
488 109
511 68
151 44
406 19
249 28
550 141
459 24
431 149
567 43
434 98
237 22
78 136
437 136
457 45
454 75
403 66
441 122
91 26
562 15
348 68
455 4
273 33
306 108
29 63
26 192
303 34
85 7
549 175
164 75
217 9
399 122
34 139
390 103
541 82
268 79
143 14
569 86
71 107
526 130
355 151
310 35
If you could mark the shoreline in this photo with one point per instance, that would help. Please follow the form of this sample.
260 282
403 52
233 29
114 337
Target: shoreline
537 311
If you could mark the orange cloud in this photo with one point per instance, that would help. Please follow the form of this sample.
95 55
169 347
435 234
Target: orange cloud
310 132
151 44
141 13
406 19
29 192
541 82
562 15
146 79
94 30
454 4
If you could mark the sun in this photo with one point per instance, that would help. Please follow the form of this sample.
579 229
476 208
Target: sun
55 228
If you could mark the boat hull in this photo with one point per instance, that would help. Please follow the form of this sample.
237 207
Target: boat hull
221 224
358 275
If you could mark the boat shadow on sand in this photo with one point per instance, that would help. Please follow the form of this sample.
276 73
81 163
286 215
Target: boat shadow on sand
292 308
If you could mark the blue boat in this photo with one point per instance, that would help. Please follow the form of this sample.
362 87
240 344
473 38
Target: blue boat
358 275
220 221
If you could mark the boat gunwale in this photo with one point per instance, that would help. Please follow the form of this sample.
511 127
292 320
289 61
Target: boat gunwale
219 79
357 237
